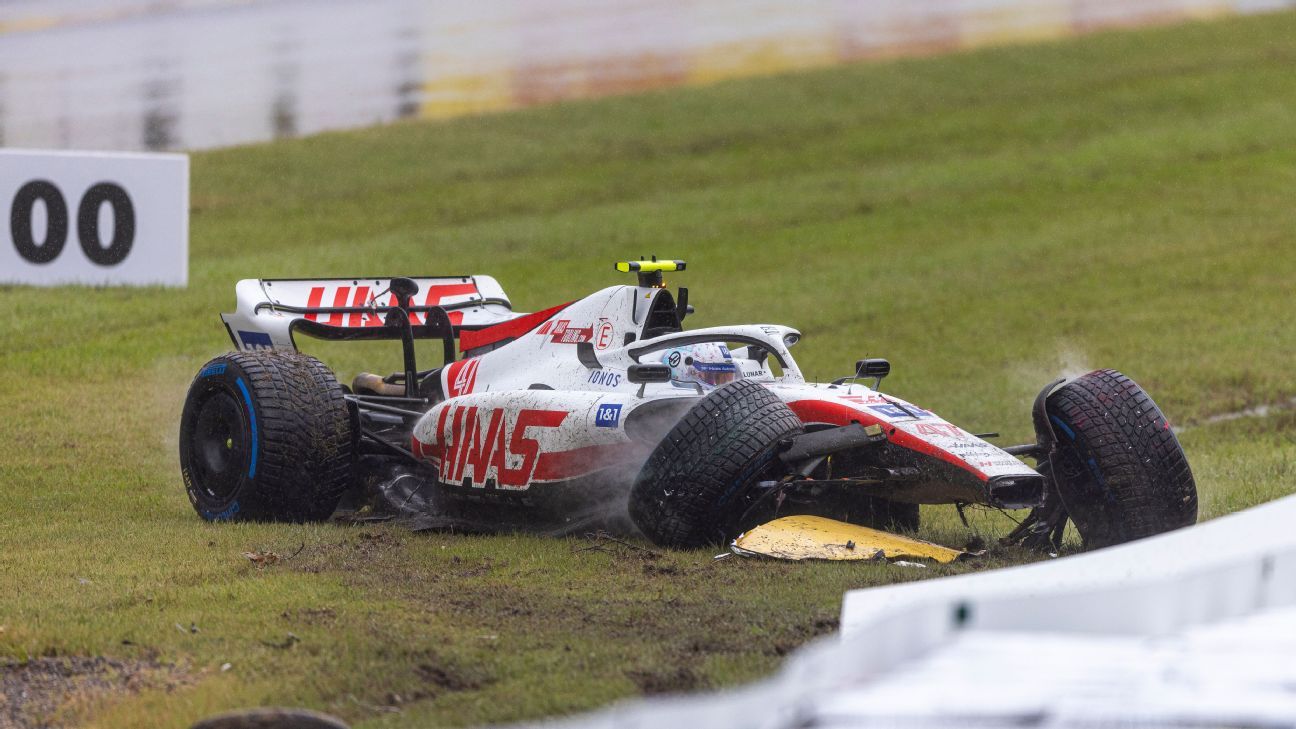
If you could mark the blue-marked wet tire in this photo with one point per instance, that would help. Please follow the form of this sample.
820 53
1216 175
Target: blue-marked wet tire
266 436
1120 470
692 490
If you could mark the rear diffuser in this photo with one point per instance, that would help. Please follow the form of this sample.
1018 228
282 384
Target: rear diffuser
814 537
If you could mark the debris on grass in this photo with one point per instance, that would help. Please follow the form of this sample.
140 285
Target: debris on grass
604 542
262 558
813 537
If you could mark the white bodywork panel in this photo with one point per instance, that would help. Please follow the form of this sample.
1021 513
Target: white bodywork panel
261 321
492 404
494 426
531 407
906 424
511 440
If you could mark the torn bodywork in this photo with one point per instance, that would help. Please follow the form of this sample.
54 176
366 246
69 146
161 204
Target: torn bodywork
811 537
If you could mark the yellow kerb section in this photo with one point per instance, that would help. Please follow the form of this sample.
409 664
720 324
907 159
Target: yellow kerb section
814 537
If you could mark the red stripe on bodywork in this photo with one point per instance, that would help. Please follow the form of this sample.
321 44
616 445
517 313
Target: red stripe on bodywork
823 411
360 299
461 377
513 329
340 298
313 301
564 465
434 451
437 294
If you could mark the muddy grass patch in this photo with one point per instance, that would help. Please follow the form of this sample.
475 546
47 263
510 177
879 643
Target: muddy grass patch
353 552
676 680
430 678
35 692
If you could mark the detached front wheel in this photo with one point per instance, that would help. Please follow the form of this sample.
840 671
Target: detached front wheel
265 436
1119 469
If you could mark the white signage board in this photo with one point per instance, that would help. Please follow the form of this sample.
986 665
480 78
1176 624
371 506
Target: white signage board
96 218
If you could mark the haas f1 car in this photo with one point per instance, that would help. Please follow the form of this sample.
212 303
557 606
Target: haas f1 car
606 410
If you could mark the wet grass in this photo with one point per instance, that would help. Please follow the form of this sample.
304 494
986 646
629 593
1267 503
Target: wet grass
985 220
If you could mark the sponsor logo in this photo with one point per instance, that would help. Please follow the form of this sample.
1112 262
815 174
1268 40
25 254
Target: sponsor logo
462 376
255 340
603 335
608 416
863 399
215 369
896 411
674 359
998 462
942 429
342 296
562 332
605 378
492 445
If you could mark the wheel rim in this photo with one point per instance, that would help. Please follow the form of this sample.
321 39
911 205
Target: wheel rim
219 446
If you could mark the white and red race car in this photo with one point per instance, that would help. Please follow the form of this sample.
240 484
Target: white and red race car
606 408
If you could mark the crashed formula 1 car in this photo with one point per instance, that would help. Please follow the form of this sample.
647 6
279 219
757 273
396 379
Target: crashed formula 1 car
606 411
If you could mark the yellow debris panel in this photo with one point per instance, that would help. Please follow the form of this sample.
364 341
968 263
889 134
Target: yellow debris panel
814 537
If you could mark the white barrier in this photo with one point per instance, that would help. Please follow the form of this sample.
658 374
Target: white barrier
1210 571
141 74
94 218
1189 629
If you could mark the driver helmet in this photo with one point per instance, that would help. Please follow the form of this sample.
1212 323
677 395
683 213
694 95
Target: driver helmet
708 364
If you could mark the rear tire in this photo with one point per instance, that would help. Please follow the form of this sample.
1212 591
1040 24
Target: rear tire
692 490
1120 470
266 436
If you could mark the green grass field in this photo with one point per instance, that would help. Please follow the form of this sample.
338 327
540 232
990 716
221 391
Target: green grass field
985 220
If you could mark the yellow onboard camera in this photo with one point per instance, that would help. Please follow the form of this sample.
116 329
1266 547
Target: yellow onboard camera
650 272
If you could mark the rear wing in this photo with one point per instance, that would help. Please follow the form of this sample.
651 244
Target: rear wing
269 313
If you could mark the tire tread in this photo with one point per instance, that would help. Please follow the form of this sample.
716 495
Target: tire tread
1129 477
306 444
706 461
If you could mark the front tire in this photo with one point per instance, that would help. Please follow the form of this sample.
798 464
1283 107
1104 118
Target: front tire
266 436
692 490
1119 469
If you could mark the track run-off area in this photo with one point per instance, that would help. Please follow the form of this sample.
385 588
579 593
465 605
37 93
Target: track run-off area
985 220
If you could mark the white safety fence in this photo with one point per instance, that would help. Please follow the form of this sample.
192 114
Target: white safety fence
1189 629
186 74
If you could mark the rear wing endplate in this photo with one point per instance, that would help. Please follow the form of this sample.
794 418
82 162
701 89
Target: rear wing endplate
270 312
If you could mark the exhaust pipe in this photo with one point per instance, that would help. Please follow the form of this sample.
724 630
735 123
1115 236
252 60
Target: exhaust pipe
366 383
